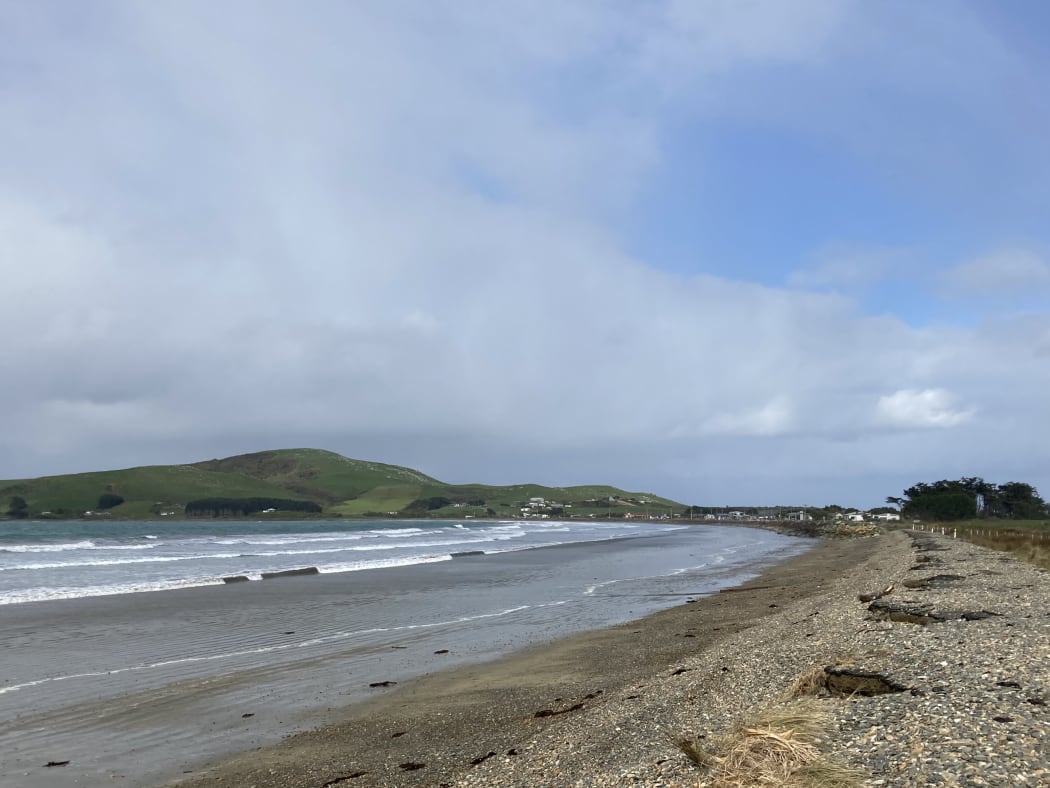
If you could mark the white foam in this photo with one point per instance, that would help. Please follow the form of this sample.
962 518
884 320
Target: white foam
293 539
396 533
48 593
47 548
382 563
159 559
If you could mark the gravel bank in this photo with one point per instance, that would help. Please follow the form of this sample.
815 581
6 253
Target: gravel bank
964 638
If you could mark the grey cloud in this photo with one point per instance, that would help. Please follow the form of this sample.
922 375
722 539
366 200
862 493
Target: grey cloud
248 230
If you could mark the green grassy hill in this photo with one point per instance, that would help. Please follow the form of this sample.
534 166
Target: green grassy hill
339 485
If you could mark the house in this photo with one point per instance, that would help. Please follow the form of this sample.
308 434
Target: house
856 517
799 516
888 516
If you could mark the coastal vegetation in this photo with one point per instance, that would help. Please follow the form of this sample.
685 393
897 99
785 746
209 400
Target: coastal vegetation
1027 540
240 507
18 508
304 483
971 497
1009 517
1025 545
778 746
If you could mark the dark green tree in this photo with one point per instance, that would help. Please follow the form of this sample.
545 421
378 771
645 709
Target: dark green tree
240 507
108 500
941 506
972 496
1020 501
18 507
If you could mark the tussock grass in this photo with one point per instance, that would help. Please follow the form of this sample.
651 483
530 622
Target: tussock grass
776 747
809 684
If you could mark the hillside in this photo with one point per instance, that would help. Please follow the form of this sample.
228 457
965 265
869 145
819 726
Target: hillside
286 479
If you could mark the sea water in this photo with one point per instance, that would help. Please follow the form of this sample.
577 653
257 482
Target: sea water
64 560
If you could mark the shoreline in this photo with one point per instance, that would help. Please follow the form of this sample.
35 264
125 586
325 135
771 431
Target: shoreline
450 718
138 689
605 707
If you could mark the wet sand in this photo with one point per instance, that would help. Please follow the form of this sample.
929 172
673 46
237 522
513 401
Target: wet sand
434 730
139 689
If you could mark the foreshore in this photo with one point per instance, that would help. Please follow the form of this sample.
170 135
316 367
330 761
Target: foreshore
606 708
138 689
963 639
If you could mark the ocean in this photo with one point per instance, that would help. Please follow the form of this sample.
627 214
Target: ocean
65 560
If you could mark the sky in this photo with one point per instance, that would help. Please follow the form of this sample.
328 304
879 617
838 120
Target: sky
725 251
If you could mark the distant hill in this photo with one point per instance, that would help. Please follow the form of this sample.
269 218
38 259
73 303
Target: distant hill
303 482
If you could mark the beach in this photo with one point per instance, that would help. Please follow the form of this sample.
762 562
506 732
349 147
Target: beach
962 638
451 719
141 688
606 708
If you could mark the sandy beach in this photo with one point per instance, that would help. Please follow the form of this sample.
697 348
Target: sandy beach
605 708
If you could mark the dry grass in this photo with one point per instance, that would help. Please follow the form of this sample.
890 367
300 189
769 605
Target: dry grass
1024 546
812 683
1027 540
697 754
777 747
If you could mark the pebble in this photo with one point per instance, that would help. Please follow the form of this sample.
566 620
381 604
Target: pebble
968 683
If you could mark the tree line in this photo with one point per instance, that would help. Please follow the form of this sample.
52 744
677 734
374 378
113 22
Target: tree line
240 507
971 497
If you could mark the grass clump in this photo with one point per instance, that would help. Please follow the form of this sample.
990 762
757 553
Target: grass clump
812 683
776 747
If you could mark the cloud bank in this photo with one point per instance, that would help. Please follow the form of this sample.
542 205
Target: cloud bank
403 232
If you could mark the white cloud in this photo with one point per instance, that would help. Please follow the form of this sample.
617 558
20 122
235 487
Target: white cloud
925 408
1018 271
774 417
849 269
685 39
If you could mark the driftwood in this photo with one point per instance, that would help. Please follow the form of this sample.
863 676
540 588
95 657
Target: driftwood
876 595
306 570
747 588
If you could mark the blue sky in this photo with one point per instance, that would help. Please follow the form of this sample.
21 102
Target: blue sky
723 251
